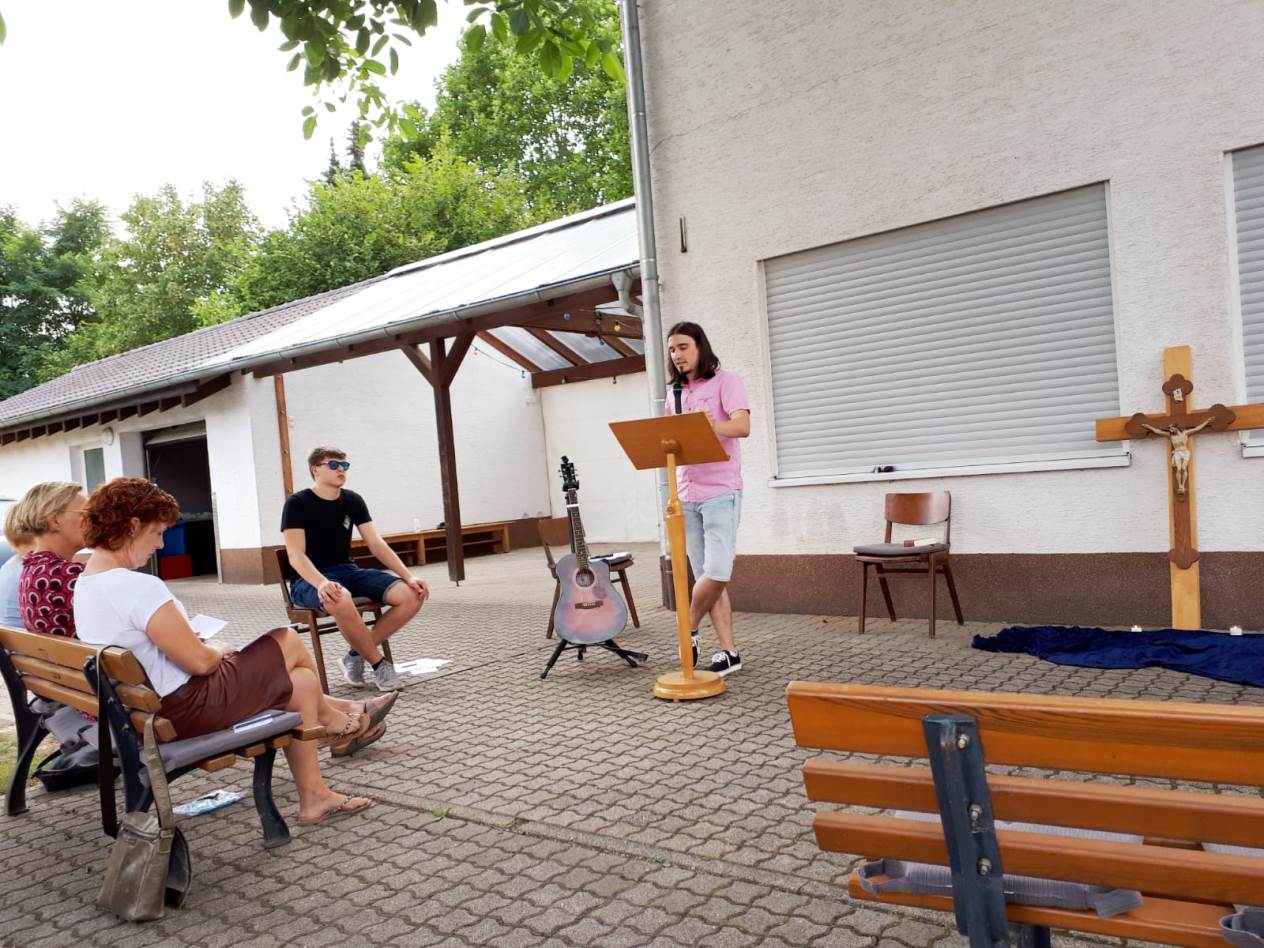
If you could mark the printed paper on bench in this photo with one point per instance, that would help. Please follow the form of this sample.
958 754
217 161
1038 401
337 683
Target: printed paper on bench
259 720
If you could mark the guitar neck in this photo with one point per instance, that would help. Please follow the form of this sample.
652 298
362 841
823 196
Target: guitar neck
577 529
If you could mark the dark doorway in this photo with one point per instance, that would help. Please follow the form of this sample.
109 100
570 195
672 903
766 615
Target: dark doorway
177 460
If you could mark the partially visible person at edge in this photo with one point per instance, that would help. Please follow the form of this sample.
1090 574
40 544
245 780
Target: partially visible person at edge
711 494
11 571
207 687
316 523
51 516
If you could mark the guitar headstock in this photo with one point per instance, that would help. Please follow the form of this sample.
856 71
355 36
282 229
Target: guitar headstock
570 480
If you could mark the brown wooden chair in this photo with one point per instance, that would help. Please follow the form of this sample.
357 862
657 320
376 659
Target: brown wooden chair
319 622
924 559
557 531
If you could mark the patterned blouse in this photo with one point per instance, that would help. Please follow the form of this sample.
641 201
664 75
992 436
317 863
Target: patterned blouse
46 593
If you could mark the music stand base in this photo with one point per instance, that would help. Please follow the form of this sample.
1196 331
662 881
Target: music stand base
674 686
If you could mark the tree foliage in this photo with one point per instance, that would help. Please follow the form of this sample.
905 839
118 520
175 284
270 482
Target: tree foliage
565 137
345 47
41 299
147 284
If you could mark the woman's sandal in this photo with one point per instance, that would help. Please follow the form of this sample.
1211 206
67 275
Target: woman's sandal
348 807
378 709
359 742
356 725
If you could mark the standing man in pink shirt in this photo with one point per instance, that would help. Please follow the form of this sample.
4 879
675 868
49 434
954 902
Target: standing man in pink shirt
711 494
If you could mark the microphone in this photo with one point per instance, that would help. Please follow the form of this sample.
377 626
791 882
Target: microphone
676 392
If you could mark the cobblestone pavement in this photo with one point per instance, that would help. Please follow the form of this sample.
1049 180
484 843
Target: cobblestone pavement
515 812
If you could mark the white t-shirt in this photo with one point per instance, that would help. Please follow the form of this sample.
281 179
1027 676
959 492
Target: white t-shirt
113 608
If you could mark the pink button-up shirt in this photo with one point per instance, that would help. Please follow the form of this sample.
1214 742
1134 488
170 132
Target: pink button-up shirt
722 395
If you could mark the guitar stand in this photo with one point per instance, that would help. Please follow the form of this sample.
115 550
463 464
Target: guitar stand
632 658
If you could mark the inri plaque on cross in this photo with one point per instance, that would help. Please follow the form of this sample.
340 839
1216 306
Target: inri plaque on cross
1179 425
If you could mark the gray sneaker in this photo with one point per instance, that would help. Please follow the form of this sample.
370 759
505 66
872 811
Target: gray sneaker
353 669
387 678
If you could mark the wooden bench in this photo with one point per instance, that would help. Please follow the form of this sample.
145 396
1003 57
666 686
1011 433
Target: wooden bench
427 546
64 670
1185 889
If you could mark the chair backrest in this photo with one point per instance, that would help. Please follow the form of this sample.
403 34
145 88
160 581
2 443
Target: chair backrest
921 510
1222 744
283 562
53 667
554 531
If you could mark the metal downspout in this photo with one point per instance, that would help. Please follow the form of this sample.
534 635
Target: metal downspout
652 323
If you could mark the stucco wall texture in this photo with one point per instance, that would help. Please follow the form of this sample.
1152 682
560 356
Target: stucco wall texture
779 127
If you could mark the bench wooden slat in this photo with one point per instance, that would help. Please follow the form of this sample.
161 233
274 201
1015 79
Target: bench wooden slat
1212 743
1158 920
275 743
1214 878
1173 814
67 696
222 762
67 677
305 733
120 664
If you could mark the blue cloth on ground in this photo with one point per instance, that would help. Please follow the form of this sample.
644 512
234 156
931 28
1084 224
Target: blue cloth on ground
1232 658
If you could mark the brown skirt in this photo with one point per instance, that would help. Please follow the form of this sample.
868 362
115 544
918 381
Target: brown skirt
242 684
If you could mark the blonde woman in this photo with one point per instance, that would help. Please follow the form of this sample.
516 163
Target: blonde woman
51 515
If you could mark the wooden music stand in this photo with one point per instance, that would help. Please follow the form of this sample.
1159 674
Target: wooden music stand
666 442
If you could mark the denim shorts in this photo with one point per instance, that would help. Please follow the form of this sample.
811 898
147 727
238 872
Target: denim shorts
711 535
369 583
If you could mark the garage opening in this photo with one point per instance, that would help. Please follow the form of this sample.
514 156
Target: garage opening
177 460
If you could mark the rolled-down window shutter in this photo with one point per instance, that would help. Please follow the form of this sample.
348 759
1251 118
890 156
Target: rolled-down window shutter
981 339
1248 207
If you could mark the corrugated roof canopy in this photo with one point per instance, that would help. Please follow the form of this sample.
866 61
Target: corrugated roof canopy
544 282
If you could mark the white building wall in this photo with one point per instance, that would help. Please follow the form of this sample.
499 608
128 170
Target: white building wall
58 457
779 127
380 410
616 501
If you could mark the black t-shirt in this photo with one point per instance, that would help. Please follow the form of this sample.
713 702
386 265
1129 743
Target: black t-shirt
326 523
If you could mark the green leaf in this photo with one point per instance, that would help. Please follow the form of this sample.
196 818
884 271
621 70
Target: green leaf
500 27
315 53
375 67
566 67
475 37
309 126
592 56
259 16
235 7
298 58
519 22
362 42
288 45
614 69
309 110
4 32
475 14
550 58
530 41
402 38
394 61
381 41
330 107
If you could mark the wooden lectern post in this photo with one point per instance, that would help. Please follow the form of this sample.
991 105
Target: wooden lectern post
666 442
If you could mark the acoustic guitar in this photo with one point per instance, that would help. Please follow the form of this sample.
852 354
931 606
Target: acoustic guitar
589 610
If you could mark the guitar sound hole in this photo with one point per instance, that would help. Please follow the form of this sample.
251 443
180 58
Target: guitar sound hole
584 578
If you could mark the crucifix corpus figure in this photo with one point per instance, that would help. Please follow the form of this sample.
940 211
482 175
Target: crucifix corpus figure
1180 449
1179 425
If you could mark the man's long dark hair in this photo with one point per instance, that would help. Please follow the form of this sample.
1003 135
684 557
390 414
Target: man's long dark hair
708 361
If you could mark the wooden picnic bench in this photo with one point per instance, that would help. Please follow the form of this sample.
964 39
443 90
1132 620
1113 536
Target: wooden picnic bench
1184 889
63 670
427 546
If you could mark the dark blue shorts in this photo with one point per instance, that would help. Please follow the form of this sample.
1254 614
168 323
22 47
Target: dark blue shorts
369 583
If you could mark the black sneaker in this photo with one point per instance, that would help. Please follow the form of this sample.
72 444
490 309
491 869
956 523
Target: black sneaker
693 639
724 662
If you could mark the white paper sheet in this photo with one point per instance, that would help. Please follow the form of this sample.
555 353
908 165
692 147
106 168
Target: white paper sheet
421 666
207 626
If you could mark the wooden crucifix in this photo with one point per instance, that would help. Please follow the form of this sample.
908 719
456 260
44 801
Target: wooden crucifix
1179 425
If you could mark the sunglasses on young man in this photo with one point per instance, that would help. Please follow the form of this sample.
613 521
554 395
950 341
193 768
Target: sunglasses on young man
338 465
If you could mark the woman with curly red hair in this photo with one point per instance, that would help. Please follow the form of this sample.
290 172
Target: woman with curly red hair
205 688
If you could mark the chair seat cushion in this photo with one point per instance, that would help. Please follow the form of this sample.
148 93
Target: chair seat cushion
177 754
898 549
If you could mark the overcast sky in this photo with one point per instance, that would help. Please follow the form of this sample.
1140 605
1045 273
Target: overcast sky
108 98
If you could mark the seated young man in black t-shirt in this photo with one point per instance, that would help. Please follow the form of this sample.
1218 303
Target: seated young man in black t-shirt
317 525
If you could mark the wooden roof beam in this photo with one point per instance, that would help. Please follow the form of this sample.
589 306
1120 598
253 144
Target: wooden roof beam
593 370
509 351
559 347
